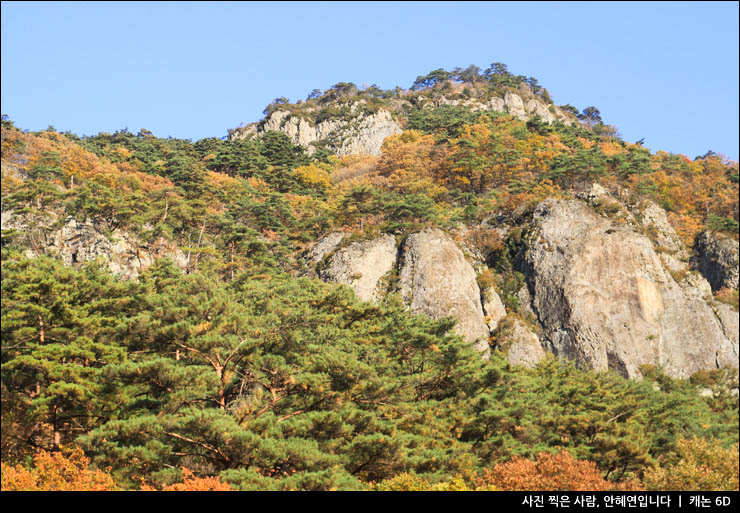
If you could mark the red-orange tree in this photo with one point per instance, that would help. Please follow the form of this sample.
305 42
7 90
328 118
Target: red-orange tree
552 472
57 471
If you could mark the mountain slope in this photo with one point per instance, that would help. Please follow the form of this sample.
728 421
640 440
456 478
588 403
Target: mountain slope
548 259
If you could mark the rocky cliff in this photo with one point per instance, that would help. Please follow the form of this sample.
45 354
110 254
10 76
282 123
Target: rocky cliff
75 242
605 299
360 132
434 277
437 280
716 257
362 265
607 287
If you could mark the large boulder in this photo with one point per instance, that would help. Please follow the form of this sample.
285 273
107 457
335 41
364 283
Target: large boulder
605 300
519 342
438 281
537 108
716 258
515 105
361 265
323 247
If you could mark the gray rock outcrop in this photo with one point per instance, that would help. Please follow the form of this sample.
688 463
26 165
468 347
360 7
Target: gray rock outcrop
323 247
716 258
436 280
75 242
520 343
511 103
362 135
515 106
493 308
361 265
654 219
605 300
537 108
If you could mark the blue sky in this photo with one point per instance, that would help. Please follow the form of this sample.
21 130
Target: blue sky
663 71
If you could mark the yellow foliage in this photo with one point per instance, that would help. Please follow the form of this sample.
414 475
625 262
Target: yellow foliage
313 176
190 483
610 149
200 328
550 472
702 466
223 181
257 183
80 163
586 143
352 167
407 482
57 471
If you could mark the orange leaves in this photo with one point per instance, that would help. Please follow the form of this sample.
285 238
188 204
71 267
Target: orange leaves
223 181
550 472
686 226
57 471
82 164
69 471
413 163
586 143
553 472
610 149
190 483
200 328
257 183
409 152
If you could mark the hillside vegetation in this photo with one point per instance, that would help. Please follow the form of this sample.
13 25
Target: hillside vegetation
221 365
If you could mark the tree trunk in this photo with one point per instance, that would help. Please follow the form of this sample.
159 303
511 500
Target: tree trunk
55 424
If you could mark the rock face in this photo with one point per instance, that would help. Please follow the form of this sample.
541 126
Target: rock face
602 292
604 298
364 134
655 220
512 104
436 280
361 265
716 258
77 242
521 344
493 308
515 106
324 246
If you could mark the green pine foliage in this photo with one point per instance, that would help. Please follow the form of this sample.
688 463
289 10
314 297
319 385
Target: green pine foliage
273 382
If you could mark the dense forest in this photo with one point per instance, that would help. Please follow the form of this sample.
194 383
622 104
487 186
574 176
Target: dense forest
232 368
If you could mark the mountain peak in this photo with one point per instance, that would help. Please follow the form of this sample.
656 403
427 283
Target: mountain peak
347 119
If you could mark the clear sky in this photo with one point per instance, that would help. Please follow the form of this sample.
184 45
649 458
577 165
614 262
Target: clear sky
663 71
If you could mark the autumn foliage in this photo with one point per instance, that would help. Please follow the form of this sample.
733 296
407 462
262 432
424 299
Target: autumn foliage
78 163
701 465
554 472
190 483
57 471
